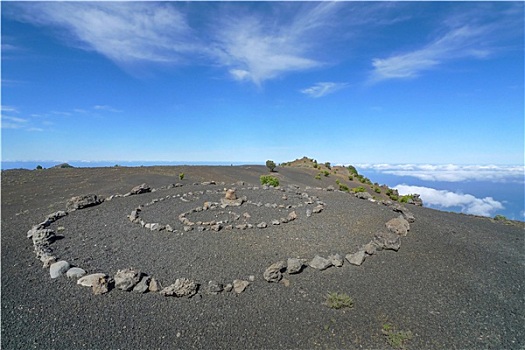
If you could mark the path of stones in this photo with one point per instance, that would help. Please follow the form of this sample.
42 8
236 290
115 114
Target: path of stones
229 211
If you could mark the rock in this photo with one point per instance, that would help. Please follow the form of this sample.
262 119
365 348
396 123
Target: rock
154 285
408 216
285 282
292 216
55 216
182 287
58 269
43 236
214 288
262 225
89 280
336 259
246 216
320 263
308 213
356 258
188 228
228 288
241 226
317 209
127 279
143 285
398 226
416 200
169 228
34 229
143 188
75 272
363 195
369 248
330 188
276 222
80 202
134 216
230 195
387 240
48 260
100 286
239 286
294 265
216 227
273 273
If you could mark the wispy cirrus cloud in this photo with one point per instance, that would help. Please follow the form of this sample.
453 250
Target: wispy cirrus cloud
439 199
452 172
323 89
123 32
474 34
106 108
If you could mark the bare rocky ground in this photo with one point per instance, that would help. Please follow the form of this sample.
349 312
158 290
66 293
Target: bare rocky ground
456 283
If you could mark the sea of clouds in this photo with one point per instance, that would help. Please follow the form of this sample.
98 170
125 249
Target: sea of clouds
485 190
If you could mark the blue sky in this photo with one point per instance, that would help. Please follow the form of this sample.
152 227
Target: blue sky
346 82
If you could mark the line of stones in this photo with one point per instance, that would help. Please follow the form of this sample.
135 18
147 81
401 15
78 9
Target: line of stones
383 240
135 280
225 202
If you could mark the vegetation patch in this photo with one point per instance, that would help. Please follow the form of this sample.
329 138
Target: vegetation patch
358 189
396 339
270 164
269 180
336 300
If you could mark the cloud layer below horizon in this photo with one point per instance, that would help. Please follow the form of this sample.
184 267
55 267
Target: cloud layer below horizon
452 172
440 199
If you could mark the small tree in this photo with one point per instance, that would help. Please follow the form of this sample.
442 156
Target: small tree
270 165
39 167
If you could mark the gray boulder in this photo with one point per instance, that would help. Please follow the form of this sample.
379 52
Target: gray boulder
143 285
240 286
363 195
89 280
127 279
398 226
80 202
274 272
75 272
387 241
356 258
320 263
182 287
142 188
59 268
214 287
43 236
294 265
336 259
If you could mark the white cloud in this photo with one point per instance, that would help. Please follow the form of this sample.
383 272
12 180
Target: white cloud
106 108
123 32
468 203
323 89
465 41
452 172
9 122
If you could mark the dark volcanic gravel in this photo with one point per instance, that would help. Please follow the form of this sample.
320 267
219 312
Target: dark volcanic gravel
456 283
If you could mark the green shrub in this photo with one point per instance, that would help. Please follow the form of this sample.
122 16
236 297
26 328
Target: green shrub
316 165
336 300
377 190
337 181
358 189
326 173
181 176
396 339
500 217
350 178
352 170
270 164
344 187
39 167
318 177
269 180
406 198
328 165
